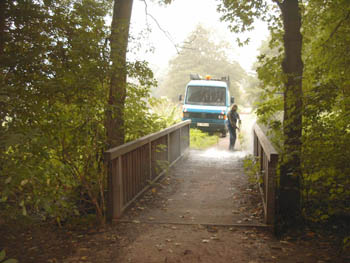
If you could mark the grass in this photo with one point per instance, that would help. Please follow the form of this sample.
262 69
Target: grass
202 140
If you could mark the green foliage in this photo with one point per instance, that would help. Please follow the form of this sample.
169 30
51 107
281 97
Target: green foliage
251 167
326 136
346 243
326 131
53 103
202 140
139 120
52 109
168 112
241 15
201 54
3 258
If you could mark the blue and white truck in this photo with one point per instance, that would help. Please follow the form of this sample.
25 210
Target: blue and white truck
207 102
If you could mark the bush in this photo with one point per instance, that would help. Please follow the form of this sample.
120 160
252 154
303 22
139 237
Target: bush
202 140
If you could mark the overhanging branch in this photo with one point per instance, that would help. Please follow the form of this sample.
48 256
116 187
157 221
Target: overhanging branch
166 33
338 26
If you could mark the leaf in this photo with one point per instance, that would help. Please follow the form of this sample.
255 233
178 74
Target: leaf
2 255
8 180
24 182
11 260
24 210
3 199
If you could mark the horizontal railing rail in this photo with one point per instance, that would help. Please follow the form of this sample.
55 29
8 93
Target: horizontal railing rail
134 165
268 159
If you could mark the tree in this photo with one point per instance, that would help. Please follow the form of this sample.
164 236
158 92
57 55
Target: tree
325 137
242 15
326 134
52 107
55 71
118 87
117 90
201 54
2 25
292 67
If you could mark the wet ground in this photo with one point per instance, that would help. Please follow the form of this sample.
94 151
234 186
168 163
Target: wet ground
205 187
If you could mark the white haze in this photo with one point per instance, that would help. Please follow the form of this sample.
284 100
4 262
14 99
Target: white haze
176 22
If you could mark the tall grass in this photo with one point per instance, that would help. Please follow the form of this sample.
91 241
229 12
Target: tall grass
202 140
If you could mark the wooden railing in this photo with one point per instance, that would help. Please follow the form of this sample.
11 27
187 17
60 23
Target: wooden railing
134 165
268 158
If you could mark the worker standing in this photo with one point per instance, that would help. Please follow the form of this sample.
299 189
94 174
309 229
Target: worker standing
233 118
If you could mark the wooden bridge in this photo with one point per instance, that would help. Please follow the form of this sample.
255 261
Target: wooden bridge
134 166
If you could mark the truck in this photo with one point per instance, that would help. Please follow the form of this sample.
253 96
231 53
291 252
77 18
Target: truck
207 102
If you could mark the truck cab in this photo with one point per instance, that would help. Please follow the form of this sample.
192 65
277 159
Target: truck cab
207 102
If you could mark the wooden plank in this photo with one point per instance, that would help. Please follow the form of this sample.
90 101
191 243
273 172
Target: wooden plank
150 160
268 162
128 147
256 141
265 143
127 175
128 189
180 140
111 201
149 185
169 148
133 173
138 168
153 158
271 190
138 171
144 165
119 188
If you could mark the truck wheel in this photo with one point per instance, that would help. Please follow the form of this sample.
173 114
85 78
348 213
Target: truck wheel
223 134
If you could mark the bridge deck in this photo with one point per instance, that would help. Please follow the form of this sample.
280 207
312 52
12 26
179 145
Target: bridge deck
206 187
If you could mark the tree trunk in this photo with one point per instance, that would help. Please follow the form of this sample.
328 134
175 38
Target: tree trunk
117 89
2 25
292 66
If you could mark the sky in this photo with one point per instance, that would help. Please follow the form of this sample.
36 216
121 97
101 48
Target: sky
175 22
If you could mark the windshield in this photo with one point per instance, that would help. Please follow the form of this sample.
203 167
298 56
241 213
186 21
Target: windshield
204 95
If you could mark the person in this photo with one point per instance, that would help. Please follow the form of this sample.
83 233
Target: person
233 117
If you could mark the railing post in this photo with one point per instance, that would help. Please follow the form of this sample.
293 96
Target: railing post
115 189
255 140
119 189
110 193
268 159
135 178
168 148
271 189
180 140
150 159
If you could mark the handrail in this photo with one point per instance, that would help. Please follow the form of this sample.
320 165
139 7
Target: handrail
127 147
268 158
134 165
265 143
